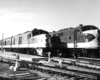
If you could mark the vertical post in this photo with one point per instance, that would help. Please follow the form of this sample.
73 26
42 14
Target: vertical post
2 42
49 57
16 67
75 44
75 39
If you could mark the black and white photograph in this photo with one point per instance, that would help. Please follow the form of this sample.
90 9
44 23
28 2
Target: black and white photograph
50 39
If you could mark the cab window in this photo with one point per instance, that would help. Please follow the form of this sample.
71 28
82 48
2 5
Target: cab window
89 27
85 28
38 32
93 27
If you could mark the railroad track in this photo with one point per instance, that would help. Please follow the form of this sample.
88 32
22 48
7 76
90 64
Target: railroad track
84 62
64 71
96 61
68 68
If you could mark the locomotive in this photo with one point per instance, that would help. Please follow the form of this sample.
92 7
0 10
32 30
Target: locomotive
29 42
83 40
35 42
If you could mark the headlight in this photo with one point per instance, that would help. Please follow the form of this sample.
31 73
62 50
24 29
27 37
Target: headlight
89 37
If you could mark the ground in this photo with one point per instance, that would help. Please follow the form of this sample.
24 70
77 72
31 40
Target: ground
5 72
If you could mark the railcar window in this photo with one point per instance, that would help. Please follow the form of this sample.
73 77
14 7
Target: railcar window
14 41
1 42
5 42
20 40
8 42
11 40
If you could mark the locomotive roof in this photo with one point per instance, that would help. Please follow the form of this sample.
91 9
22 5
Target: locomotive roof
79 27
35 29
39 30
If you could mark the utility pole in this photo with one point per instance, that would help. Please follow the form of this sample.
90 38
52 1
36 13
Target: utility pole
2 42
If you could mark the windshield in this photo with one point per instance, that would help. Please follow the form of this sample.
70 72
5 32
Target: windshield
85 28
38 32
93 27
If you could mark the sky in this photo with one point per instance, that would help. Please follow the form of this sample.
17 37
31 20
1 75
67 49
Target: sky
18 16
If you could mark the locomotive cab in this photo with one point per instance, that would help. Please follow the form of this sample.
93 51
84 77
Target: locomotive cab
91 35
40 40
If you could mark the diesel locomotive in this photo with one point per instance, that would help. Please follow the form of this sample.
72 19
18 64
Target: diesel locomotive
29 42
83 40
